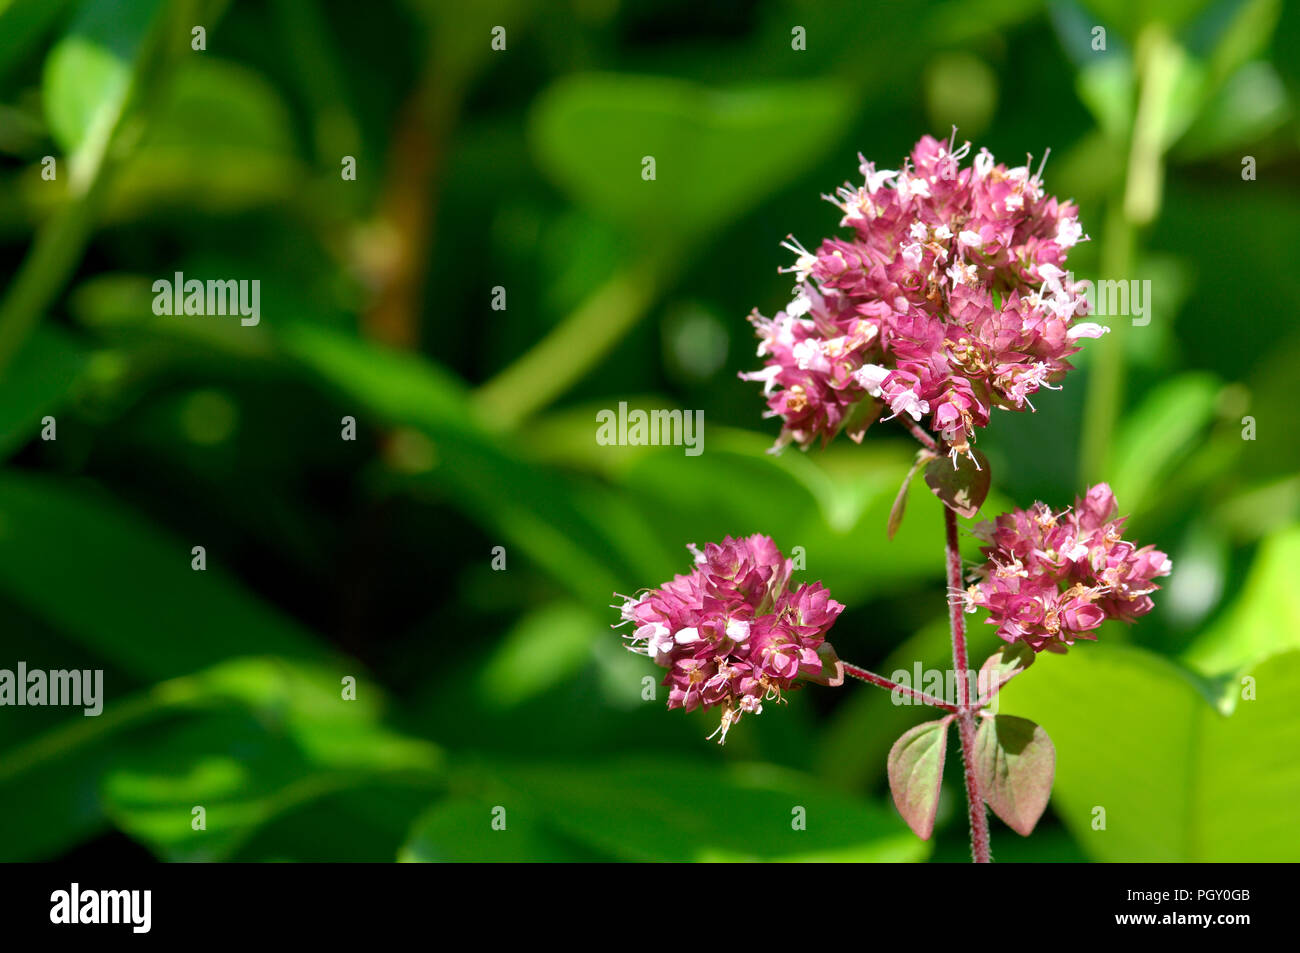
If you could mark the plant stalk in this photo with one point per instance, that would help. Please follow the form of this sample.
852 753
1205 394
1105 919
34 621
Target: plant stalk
872 678
979 824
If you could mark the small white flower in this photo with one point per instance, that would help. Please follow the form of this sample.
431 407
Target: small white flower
871 377
1068 232
687 636
737 630
970 239
907 402
799 306
1088 329
909 186
767 376
808 355
876 179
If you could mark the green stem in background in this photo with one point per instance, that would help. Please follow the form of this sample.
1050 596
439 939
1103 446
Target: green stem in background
61 241
1106 371
1133 206
564 356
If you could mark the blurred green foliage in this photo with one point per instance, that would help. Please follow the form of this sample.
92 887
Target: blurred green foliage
479 690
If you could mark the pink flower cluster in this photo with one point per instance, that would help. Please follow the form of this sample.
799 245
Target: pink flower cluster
949 299
732 633
1052 578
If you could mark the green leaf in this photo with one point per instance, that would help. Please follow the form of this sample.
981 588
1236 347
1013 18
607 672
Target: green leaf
916 774
219 138
716 152
22 25
36 384
289 738
963 486
1264 619
1158 434
1250 105
1015 763
460 830
652 811
97 572
88 73
582 534
1154 765
545 647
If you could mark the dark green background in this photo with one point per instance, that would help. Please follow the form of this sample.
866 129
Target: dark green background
521 169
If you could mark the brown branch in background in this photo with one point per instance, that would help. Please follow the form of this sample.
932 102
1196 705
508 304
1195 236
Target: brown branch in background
399 242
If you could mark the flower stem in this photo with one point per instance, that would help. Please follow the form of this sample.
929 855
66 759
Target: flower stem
925 439
979 824
874 679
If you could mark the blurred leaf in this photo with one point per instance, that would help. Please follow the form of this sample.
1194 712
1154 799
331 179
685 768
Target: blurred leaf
546 646
460 830
716 152
1249 106
1232 32
36 384
97 572
88 72
1157 434
23 23
1179 780
582 535
296 740
661 812
1265 617
220 138
1107 89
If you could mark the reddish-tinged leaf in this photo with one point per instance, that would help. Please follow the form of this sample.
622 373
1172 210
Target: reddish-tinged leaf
1015 763
916 772
900 502
1002 666
962 487
832 672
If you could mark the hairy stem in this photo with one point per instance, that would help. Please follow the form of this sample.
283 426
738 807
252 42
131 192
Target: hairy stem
924 438
880 680
979 824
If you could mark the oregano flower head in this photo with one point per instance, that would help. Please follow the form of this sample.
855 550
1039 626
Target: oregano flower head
950 298
732 633
1051 578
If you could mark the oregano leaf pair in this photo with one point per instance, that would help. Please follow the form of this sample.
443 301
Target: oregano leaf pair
1015 764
